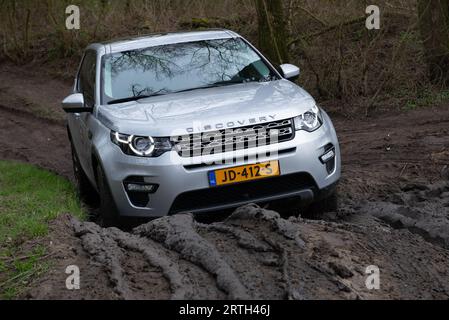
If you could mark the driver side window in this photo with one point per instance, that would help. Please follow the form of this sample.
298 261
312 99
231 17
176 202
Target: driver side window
86 78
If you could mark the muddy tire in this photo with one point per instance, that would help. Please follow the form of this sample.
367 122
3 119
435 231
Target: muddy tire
108 215
319 208
86 191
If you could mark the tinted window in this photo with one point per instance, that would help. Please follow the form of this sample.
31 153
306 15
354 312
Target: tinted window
181 66
86 82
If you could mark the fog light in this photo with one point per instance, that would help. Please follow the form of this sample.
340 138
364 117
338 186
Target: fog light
135 187
329 155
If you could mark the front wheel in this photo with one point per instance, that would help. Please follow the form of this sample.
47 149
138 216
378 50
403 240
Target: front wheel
327 204
108 215
86 191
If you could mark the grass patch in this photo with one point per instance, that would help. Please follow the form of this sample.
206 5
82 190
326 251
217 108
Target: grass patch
29 199
428 98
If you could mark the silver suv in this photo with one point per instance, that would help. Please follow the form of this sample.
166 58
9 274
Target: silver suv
195 122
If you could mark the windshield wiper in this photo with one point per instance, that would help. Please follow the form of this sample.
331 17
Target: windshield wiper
228 82
212 85
135 98
195 88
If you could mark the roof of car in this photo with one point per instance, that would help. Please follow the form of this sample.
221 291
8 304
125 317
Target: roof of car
157 39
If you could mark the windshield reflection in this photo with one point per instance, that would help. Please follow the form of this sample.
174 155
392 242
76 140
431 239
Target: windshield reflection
180 67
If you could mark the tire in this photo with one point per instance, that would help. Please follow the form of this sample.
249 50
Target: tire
86 192
325 205
108 214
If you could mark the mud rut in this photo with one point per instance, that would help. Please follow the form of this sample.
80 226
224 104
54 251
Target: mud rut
253 254
394 214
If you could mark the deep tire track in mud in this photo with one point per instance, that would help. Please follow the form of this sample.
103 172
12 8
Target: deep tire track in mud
421 209
249 256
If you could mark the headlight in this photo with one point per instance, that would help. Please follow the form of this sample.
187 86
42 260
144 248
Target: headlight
141 146
309 120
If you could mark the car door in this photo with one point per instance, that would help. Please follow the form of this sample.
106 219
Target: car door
86 85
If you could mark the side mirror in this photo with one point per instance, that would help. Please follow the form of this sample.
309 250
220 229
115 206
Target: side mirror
291 72
75 104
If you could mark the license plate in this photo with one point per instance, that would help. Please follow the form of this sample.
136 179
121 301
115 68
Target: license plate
244 173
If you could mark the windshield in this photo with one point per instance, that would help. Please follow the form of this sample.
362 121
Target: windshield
181 67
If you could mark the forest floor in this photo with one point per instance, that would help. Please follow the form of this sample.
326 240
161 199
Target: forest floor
394 214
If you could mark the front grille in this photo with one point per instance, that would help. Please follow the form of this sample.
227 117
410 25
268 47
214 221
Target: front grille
192 145
193 201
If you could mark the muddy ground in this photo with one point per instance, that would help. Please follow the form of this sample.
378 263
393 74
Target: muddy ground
394 213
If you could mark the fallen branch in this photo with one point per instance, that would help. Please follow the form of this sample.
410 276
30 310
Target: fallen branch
312 15
326 30
403 169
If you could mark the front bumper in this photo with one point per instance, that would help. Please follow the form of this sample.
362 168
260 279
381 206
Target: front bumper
183 183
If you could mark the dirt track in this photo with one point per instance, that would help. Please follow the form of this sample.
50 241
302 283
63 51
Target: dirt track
394 214
32 120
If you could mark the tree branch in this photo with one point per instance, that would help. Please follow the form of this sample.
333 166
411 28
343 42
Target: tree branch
326 30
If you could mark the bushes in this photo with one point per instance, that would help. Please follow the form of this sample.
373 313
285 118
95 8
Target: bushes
347 67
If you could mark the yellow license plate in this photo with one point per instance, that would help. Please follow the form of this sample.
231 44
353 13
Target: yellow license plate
244 173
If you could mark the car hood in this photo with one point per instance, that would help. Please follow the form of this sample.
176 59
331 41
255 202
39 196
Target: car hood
209 109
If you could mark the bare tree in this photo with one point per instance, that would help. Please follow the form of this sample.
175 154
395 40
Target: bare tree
434 26
272 30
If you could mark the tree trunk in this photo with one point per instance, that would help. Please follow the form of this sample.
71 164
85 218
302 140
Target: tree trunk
434 26
272 30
